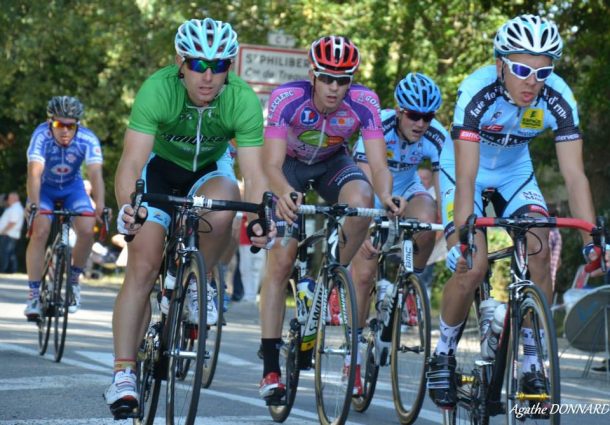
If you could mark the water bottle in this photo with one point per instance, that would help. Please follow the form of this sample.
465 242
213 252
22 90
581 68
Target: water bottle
305 288
385 294
492 323
168 286
383 287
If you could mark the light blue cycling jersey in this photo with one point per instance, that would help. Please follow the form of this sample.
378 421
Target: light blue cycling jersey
62 164
404 156
483 114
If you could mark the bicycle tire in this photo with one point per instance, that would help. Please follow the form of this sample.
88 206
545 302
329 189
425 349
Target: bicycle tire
183 397
371 372
533 307
214 331
46 303
289 364
149 363
410 349
335 343
61 284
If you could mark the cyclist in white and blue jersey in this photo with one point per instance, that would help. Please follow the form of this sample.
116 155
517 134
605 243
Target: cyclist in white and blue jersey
412 134
500 109
57 149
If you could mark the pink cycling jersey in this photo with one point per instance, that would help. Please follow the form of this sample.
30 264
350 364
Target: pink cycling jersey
312 136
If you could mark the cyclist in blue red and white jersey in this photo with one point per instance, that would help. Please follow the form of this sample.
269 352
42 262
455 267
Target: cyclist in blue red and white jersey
310 126
500 109
57 149
412 134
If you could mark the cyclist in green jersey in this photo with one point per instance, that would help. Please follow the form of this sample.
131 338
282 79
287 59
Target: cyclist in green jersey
182 120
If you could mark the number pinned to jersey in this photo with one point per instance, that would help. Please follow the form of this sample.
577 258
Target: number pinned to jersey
533 118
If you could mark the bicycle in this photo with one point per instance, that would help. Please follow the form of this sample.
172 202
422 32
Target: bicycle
403 320
480 382
55 292
174 347
324 335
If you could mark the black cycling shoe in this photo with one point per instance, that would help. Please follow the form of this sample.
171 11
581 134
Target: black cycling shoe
535 383
441 381
124 409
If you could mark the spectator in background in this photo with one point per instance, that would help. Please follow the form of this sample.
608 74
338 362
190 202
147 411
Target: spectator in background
11 223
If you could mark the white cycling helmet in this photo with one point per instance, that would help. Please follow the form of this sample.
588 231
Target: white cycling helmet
206 39
529 34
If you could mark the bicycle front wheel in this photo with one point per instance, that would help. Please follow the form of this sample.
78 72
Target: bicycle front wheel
410 349
532 382
336 349
214 330
187 314
62 291
46 303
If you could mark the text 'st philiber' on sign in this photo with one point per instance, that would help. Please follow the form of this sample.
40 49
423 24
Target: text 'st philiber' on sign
271 66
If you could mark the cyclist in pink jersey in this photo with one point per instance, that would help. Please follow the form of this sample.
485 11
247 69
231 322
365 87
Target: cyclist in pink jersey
310 126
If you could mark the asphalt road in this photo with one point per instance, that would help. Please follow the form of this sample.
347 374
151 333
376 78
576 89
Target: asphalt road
35 390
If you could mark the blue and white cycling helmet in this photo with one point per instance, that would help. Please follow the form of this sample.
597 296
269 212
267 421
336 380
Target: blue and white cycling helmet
418 93
206 39
65 107
529 34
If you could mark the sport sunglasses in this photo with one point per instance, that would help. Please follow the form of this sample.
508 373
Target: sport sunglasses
523 71
201 65
416 116
342 80
67 125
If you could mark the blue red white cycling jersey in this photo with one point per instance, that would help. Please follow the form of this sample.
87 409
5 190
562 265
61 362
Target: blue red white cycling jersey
312 136
483 114
62 164
404 157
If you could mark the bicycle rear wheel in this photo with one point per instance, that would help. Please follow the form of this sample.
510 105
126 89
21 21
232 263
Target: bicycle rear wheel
289 364
183 391
46 303
214 330
150 367
534 315
410 349
336 350
61 302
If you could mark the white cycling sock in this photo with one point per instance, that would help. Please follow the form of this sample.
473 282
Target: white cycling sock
447 343
530 357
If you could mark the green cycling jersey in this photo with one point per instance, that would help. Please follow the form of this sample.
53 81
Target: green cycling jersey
190 136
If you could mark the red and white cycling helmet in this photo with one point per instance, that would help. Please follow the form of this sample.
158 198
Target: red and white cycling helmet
334 54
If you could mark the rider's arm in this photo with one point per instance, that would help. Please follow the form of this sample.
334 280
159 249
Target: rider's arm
274 153
437 192
34 179
380 174
95 175
569 155
137 147
466 168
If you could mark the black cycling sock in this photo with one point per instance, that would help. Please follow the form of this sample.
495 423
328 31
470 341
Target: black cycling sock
271 355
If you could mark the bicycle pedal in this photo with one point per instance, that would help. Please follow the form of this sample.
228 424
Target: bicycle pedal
276 399
124 409
34 319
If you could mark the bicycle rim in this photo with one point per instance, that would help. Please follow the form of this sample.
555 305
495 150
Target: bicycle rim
533 313
369 377
410 350
61 285
214 331
183 392
289 364
336 351
46 304
148 364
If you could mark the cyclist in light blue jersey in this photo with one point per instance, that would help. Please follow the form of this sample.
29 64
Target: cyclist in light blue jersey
500 109
411 134
57 149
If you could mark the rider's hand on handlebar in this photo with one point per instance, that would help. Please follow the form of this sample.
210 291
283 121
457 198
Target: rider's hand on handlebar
286 208
592 254
395 205
260 240
126 221
455 260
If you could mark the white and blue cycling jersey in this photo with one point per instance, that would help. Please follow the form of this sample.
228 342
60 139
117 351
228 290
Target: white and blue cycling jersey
483 114
404 157
61 178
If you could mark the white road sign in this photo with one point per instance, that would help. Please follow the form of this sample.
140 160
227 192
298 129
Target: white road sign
271 66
